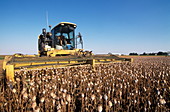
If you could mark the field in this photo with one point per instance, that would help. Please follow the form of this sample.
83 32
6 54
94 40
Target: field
143 85
2 57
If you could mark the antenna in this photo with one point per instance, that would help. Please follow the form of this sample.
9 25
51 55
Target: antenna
47 18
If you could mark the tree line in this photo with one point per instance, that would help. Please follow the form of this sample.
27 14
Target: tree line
160 53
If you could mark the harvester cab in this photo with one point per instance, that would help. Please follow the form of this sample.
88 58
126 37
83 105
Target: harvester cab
60 41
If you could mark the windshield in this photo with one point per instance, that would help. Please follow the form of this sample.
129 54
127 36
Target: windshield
65 40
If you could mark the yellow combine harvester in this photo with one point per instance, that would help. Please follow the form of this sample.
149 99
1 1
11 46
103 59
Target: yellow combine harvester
61 41
57 48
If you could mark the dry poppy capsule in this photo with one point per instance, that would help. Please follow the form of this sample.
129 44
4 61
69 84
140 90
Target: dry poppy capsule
118 101
62 102
99 108
115 101
53 95
158 92
64 95
43 91
34 105
149 102
93 97
135 101
110 104
58 106
88 84
61 89
121 86
105 97
14 90
136 91
53 102
120 93
101 97
25 95
98 90
162 101
34 98
82 95
17 79
75 85
68 98
64 90
58 110
37 109
42 99
33 89
145 109
31 83
113 89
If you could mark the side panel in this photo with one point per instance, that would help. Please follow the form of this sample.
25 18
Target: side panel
10 72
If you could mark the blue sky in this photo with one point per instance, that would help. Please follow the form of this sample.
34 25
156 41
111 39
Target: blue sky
116 26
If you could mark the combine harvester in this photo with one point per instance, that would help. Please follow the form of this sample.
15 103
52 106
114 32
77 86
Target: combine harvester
57 48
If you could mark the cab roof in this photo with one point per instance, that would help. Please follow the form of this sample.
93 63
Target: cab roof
64 27
65 24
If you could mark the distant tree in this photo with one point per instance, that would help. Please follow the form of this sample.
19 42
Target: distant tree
162 53
159 53
133 53
144 53
153 54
